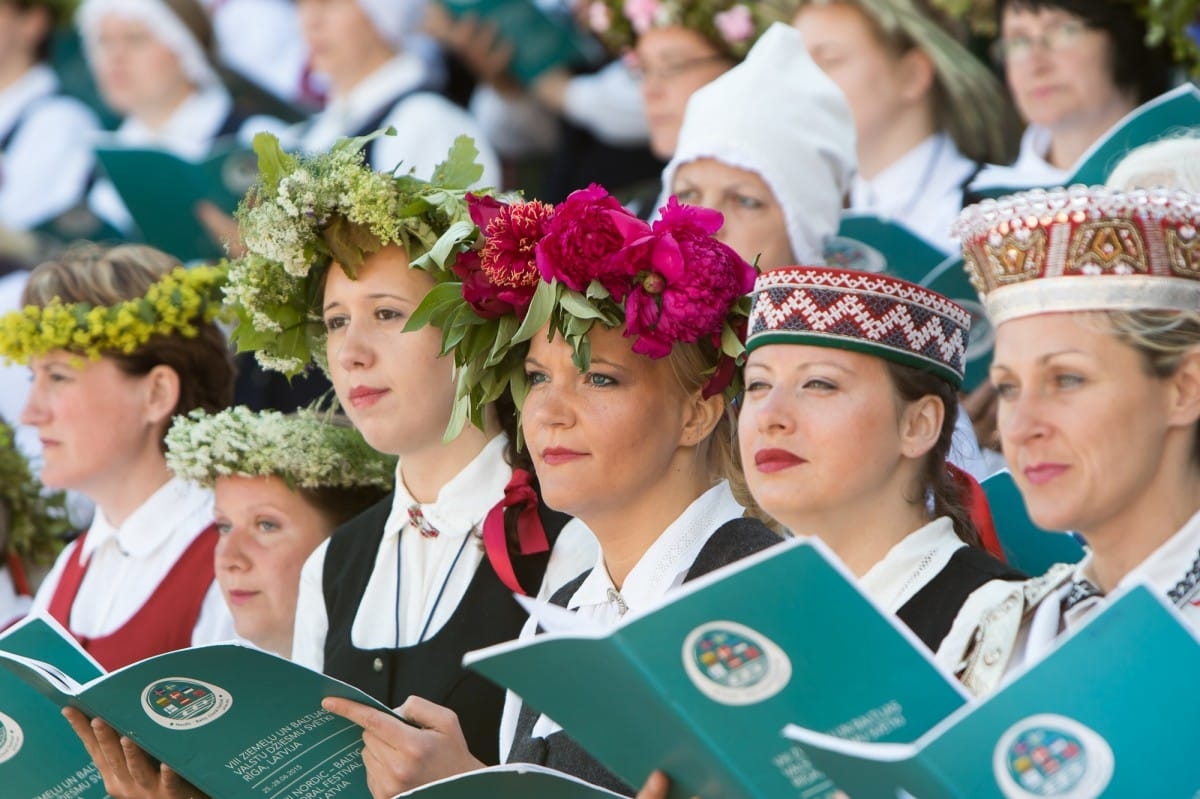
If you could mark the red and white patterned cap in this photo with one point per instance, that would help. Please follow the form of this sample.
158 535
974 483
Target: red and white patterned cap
1083 249
861 311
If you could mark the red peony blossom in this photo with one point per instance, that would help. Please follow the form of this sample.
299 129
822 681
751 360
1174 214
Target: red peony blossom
511 236
503 277
589 228
487 299
483 209
687 281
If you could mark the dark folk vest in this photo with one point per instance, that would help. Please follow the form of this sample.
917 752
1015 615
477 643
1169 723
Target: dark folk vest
431 669
732 541
931 611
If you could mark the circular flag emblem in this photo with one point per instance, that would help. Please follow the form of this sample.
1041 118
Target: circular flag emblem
733 664
181 703
1052 756
11 738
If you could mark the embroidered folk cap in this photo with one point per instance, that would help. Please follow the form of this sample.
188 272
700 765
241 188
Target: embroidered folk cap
1083 249
875 314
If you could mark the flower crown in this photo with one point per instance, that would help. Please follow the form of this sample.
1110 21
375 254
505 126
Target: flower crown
588 260
307 449
308 211
37 521
176 304
732 26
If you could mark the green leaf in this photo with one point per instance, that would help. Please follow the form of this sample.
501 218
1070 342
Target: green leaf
504 335
447 245
731 344
458 419
577 305
596 291
273 162
460 170
440 299
349 243
538 314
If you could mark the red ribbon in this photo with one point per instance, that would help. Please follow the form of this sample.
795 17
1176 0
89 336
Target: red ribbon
531 536
17 571
976 503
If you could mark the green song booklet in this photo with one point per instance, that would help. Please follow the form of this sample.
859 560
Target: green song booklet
702 685
236 722
1105 715
161 191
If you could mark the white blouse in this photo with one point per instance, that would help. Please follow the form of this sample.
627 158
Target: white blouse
126 563
661 569
426 123
45 167
923 190
1173 569
13 606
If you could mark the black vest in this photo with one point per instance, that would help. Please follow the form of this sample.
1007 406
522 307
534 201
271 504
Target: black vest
431 669
732 541
932 610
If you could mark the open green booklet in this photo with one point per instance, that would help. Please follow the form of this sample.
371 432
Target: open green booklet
541 39
238 723
1168 114
701 686
1107 714
161 191
40 757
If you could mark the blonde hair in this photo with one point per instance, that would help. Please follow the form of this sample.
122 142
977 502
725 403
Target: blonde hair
1162 339
693 368
969 102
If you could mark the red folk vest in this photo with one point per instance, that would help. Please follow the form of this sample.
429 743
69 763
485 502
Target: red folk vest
163 624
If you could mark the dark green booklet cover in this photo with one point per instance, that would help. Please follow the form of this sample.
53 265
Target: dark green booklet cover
161 191
1110 713
540 40
1169 114
702 686
40 757
236 722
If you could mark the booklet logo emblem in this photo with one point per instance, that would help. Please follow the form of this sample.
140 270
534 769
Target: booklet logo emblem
11 738
181 703
1048 755
733 664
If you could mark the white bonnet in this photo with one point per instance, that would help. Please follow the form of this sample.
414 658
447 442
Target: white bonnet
163 22
779 115
396 20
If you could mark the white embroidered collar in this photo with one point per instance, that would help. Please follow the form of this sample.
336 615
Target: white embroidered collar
911 564
154 522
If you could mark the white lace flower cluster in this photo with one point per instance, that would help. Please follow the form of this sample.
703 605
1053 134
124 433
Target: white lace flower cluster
307 449
307 212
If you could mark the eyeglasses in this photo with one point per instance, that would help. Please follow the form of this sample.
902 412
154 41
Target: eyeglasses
674 69
1055 39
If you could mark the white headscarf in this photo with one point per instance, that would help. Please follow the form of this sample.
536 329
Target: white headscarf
396 20
166 26
777 114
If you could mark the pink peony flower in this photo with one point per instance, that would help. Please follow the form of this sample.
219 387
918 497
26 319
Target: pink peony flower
687 281
589 228
599 18
736 25
641 14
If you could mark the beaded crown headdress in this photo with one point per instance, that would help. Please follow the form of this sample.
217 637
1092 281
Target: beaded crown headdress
1083 249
